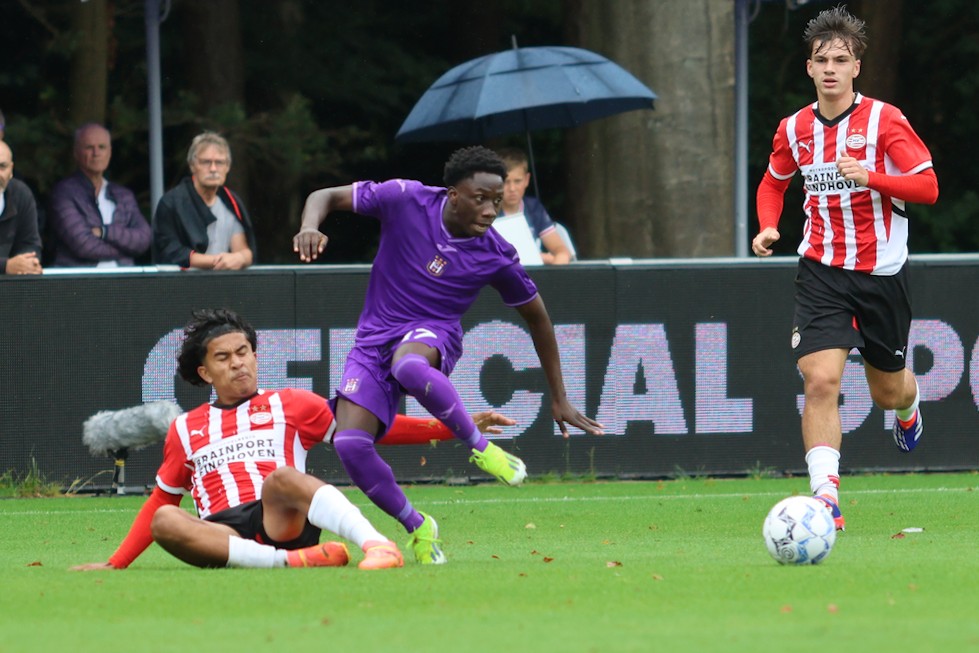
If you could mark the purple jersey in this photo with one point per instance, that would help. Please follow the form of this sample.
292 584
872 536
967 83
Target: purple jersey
422 276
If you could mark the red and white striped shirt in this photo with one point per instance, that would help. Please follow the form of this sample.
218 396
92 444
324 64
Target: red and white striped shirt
223 455
849 226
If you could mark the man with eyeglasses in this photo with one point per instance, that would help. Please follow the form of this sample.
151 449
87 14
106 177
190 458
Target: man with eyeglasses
201 223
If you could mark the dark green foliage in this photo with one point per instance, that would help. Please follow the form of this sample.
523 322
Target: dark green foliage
327 87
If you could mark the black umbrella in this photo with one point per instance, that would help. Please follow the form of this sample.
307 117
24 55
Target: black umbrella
521 90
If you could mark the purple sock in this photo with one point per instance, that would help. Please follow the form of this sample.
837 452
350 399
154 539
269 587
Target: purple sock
435 392
371 474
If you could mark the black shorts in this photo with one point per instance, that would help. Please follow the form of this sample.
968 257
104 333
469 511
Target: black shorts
843 309
247 520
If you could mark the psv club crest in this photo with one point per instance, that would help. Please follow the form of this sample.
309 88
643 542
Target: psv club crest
259 415
856 140
437 266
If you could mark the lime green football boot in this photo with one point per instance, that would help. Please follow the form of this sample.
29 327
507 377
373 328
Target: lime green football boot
506 467
425 542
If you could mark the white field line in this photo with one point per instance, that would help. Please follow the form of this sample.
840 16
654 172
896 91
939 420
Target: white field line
564 499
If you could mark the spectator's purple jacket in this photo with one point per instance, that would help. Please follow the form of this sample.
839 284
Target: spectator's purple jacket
72 213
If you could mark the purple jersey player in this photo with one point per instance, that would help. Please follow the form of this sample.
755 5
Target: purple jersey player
437 252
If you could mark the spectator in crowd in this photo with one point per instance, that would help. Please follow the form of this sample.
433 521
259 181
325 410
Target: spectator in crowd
523 221
201 223
20 241
39 210
92 221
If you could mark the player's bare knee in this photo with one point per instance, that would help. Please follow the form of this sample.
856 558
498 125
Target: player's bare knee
288 488
821 386
273 482
165 523
282 481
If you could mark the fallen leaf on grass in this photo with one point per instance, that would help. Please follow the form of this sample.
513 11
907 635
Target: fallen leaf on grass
613 563
785 609
531 525
36 563
546 559
898 536
832 608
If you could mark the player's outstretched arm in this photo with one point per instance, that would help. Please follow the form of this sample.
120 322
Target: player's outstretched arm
420 430
310 241
542 333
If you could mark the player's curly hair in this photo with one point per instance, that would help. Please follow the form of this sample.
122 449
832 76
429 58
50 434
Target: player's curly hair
837 23
206 325
467 161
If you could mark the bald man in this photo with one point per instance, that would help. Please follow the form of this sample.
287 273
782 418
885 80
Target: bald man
20 242
93 222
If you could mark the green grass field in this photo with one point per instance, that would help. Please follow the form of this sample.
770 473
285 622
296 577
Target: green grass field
617 566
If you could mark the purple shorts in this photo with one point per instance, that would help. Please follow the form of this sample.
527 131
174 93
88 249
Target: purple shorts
367 380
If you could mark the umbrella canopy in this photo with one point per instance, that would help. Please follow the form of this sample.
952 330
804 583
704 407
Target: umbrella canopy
522 89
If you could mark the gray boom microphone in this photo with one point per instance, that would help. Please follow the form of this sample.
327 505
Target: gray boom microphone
130 428
115 432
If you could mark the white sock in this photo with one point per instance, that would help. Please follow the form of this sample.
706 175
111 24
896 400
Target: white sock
904 414
824 471
332 511
249 553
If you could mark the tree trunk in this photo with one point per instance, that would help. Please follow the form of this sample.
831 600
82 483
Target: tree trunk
658 183
275 200
213 51
89 62
880 65
215 66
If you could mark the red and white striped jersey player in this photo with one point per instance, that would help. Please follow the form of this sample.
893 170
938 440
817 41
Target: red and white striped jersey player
243 460
861 164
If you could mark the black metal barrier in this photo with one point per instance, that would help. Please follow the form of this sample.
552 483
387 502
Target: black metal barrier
686 363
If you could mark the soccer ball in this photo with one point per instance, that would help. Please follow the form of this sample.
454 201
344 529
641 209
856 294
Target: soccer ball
799 531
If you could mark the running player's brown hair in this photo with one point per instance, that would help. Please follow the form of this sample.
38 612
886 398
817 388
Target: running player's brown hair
837 23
